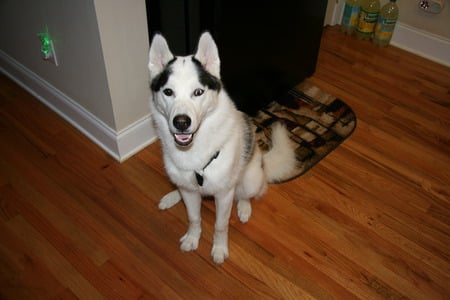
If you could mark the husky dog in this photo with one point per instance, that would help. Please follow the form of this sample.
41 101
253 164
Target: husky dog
208 145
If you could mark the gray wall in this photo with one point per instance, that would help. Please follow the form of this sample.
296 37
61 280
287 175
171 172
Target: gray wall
101 47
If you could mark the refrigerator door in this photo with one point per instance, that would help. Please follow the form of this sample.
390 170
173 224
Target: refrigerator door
266 47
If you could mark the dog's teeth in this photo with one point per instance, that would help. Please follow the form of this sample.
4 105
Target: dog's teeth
183 137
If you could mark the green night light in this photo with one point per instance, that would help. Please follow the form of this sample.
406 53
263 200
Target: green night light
47 46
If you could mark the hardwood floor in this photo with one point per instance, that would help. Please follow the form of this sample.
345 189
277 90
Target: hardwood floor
371 221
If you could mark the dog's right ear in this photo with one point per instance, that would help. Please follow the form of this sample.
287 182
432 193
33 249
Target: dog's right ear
159 55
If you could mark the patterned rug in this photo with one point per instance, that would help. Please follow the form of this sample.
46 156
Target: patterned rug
318 123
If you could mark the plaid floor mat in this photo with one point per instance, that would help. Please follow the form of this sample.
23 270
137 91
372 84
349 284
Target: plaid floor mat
318 123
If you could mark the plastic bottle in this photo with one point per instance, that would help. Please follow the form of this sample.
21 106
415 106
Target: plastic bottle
367 19
385 24
351 16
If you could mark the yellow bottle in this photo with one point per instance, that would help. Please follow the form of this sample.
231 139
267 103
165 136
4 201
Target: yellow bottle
385 24
367 19
351 16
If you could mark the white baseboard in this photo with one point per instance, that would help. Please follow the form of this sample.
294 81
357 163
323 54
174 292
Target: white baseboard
120 145
135 137
422 43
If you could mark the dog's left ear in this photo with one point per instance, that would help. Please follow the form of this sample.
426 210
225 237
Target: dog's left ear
208 54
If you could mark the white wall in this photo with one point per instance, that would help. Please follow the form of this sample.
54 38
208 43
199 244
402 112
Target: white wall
101 82
423 33
335 9
437 24
125 45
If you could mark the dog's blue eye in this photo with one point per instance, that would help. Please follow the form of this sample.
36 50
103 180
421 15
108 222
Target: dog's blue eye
198 92
168 92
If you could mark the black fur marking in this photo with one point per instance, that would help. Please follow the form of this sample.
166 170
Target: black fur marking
161 79
249 137
206 78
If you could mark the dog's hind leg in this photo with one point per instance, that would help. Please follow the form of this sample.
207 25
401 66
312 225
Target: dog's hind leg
244 208
169 200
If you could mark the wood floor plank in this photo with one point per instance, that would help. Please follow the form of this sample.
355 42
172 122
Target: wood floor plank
370 221
52 259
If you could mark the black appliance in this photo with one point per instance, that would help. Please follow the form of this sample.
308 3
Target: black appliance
266 47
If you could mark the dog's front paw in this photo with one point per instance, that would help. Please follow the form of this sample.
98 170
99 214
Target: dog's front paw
189 242
219 254
169 200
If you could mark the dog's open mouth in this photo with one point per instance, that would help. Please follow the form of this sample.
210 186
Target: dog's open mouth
183 139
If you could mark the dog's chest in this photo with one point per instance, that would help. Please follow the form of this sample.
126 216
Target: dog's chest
212 174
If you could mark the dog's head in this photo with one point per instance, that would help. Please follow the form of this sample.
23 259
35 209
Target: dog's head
185 89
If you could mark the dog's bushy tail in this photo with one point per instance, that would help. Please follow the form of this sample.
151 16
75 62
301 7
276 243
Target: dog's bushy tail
280 161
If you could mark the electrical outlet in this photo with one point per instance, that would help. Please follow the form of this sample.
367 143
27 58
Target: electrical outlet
47 47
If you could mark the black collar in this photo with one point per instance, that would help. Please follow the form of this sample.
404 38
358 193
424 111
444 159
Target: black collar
199 174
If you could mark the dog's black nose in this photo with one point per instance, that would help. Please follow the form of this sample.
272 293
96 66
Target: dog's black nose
182 122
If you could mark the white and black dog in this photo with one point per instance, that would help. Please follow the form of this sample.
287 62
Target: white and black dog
208 145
